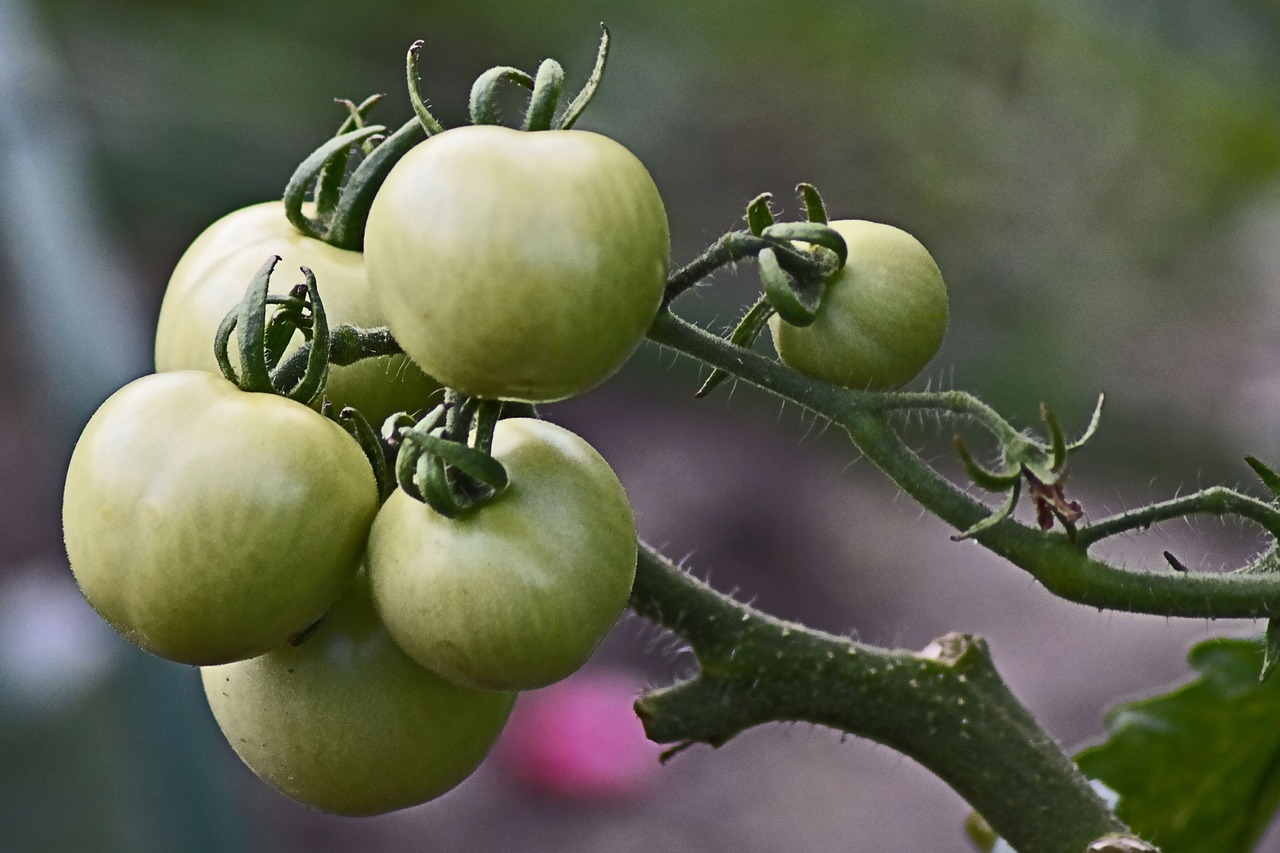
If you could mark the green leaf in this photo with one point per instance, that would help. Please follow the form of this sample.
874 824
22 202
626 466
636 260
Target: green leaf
1198 769
1271 654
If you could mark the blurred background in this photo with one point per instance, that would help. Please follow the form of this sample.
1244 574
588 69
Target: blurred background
1097 181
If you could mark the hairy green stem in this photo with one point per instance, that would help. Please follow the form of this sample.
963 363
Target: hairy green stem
347 345
1062 566
729 249
1215 500
946 707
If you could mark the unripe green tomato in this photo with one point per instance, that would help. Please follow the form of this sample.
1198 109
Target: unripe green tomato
518 265
346 723
519 593
207 524
213 274
882 318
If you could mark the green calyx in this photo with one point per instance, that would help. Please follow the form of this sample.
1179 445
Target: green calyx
261 340
1041 467
444 460
793 278
545 90
342 201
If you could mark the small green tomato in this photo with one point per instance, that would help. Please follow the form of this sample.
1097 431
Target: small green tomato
519 593
346 723
882 318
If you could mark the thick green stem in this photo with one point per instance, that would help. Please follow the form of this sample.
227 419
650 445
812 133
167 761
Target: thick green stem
347 345
946 707
1062 566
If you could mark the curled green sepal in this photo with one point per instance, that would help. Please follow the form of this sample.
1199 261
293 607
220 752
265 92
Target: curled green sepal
317 372
434 452
547 86
260 342
1057 442
1005 510
251 331
227 328
430 126
799 308
484 92
1092 428
295 192
759 214
394 428
989 480
437 490
288 319
743 335
810 232
347 228
1270 650
579 103
814 209
1266 474
329 184
362 431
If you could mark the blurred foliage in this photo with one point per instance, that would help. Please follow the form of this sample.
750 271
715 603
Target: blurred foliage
1079 169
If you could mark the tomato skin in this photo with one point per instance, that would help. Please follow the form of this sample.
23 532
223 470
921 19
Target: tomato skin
518 265
346 723
518 594
209 525
212 275
883 316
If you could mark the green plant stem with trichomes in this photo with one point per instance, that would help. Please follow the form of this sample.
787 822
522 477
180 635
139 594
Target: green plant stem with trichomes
1064 567
947 707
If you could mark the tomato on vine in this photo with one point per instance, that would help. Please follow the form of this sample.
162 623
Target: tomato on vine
345 722
882 318
518 265
518 593
208 524
210 278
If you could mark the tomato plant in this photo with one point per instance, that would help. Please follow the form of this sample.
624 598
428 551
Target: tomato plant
881 319
345 722
518 265
210 278
207 524
519 593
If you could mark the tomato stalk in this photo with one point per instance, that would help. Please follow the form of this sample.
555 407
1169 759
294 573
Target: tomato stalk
1063 566
945 706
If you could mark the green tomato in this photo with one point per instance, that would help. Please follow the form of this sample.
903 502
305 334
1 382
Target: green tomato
882 318
211 278
208 525
519 593
515 265
345 722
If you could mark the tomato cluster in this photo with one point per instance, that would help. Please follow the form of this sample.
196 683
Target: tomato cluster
363 655
362 643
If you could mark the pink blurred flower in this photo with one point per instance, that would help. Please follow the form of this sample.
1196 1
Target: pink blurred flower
580 739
